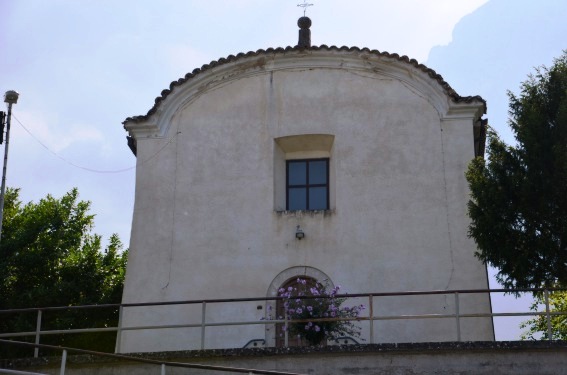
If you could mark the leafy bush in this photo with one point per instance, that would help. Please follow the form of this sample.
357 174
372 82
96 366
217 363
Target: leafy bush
319 312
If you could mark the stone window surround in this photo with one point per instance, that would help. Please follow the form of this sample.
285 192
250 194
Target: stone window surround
303 146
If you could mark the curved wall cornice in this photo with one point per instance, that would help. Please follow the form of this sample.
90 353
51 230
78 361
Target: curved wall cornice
373 64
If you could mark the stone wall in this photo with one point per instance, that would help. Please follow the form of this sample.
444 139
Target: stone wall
465 358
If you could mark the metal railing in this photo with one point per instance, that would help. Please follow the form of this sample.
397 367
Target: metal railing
163 364
371 317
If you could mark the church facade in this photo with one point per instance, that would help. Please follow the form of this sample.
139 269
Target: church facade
344 165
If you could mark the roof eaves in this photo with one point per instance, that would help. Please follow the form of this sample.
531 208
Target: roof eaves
434 75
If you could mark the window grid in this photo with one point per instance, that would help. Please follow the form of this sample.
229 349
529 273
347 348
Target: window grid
307 186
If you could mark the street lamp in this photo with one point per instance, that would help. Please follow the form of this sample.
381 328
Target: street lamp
10 97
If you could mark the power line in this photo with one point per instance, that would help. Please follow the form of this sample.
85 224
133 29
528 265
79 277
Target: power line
91 169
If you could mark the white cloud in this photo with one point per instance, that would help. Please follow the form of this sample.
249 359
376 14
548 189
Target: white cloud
44 129
409 27
438 21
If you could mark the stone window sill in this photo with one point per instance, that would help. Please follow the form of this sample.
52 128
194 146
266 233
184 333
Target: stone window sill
302 213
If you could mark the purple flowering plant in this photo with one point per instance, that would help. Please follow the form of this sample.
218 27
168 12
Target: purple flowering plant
325 305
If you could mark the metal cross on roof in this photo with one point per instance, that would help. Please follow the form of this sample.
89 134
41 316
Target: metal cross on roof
304 6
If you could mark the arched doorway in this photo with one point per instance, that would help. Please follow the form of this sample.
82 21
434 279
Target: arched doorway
289 275
294 283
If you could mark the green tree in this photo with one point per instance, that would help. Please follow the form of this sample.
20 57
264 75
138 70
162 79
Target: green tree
49 257
518 207
537 327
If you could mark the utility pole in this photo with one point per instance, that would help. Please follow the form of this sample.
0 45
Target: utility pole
10 97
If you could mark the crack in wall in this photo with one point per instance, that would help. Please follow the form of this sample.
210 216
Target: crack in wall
173 211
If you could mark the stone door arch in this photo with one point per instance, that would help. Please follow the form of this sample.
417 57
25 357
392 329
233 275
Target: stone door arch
286 278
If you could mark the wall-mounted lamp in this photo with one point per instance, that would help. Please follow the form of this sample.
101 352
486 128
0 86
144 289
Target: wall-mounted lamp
299 233
11 97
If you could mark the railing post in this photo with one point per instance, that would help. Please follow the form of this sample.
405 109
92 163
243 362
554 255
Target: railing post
203 324
371 317
37 332
163 369
286 329
119 331
548 315
457 316
63 362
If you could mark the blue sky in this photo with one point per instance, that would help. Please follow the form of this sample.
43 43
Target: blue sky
82 66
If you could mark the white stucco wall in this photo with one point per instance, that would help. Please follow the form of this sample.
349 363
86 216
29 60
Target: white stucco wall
207 220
